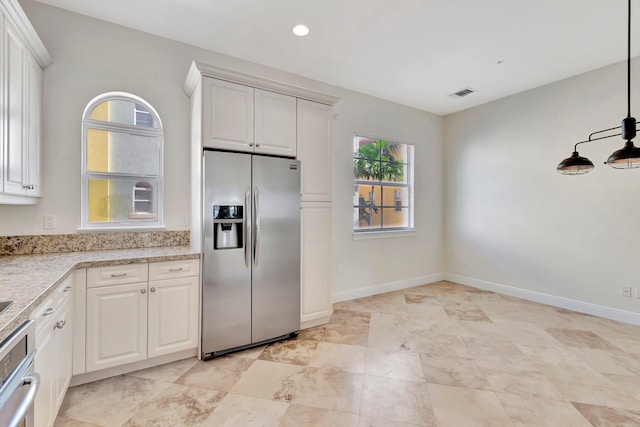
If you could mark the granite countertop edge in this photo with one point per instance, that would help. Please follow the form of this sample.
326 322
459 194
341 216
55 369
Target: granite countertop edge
28 280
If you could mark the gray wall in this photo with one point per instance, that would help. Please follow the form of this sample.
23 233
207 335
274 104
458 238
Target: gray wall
511 219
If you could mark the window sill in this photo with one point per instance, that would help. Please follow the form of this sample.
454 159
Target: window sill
121 229
391 234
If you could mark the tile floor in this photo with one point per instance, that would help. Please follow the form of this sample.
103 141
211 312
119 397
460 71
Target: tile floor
435 355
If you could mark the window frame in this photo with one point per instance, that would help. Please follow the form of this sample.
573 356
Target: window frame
156 181
409 177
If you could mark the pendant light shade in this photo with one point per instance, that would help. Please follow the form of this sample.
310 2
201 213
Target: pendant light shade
625 158
575 165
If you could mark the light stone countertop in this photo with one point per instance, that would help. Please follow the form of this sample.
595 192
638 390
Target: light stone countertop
27 280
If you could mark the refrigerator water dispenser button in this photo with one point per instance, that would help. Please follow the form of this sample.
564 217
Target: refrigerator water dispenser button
226 236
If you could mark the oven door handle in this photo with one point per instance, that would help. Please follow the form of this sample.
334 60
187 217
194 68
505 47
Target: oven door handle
33 381
20 378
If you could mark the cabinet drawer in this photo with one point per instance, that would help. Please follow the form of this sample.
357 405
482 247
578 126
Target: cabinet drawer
174 269
117 275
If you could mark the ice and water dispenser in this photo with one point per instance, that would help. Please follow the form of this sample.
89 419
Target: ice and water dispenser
227 226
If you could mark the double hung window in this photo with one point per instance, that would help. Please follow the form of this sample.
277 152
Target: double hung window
383 185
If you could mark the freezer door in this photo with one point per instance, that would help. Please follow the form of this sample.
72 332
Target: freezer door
226 266
276 247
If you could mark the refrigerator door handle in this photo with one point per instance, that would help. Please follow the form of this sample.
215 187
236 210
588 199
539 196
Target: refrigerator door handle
247 224
256 220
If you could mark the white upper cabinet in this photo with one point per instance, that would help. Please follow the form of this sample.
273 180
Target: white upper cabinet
275 123
241 118
228 115
22 59
314 150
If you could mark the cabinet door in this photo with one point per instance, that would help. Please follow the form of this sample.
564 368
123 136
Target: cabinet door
63 336
32 157
46 365
173 315
14 151
314 150
316 267
275 123
227 110
116 325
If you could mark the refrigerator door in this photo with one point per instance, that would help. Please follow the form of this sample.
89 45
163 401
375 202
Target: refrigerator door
226 274
276 247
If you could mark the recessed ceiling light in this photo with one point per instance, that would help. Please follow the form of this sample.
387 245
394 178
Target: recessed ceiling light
301 30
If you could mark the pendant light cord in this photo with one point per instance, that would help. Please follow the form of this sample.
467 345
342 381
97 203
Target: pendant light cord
629 64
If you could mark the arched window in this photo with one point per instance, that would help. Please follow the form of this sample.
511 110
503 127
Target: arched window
122 163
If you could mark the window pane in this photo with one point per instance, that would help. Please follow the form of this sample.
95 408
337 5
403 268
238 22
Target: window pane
395 197
393 172
365 148
366 170
121 200
365 218
124 112
122 152
394 218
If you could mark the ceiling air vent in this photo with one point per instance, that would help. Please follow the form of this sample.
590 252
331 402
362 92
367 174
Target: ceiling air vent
462 93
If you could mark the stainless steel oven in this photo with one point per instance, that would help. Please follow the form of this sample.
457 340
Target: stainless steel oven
19 383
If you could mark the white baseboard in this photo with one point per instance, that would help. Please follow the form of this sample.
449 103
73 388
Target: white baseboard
556 301
386 287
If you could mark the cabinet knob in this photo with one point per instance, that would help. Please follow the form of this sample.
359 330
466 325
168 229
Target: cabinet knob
258 145
143 291
251 144
59 324
153 289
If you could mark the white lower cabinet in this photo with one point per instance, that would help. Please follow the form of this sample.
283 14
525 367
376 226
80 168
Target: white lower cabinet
132 322
116 325
173 315
315 271
53 360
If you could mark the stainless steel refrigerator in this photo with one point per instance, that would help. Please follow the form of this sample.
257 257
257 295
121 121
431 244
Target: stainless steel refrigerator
251 250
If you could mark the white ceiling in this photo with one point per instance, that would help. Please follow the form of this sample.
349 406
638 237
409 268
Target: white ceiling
414 52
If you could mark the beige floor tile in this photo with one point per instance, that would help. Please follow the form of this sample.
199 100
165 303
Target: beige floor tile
526 383
219 374
396 400
295 351
456 406
67 422
169 372
342 357
270 380
177 405
378 422
611 361
441 344
348 327
453 371
529 411
580 338
602 416
235 410
330 389
630 384
394 364
298 415
557 356
390 331
250 353
591 388
95 402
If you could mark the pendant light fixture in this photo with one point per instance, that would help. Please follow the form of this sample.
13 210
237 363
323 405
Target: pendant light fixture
627 157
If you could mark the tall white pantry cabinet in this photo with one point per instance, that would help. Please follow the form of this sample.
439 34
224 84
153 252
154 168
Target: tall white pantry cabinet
22 59
240 112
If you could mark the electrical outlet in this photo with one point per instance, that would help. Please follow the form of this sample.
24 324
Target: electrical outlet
626 291
184 220
49 221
